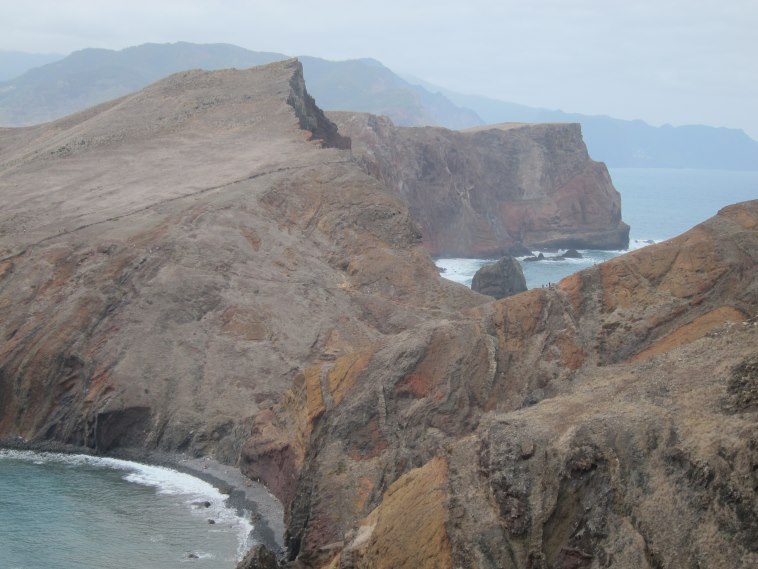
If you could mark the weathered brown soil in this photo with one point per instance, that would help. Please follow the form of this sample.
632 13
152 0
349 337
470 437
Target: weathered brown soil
187 269
609 422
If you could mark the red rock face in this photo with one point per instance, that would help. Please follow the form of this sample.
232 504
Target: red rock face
485 191
601 419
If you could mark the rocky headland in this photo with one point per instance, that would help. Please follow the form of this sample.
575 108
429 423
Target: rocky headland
206 268
495 190
169 262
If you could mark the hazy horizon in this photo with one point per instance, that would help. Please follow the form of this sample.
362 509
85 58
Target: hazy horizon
668 62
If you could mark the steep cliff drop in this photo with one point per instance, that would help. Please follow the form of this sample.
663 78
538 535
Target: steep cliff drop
171 261
494 190
608 422
204 267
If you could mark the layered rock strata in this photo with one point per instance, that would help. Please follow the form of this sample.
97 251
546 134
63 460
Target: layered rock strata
608 422
171 260
492 191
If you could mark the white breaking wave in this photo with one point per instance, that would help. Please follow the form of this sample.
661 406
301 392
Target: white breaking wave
460 270
635 244
537 273
166 481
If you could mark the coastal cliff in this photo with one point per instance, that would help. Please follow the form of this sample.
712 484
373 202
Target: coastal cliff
171 261
205 267
607 422
493 190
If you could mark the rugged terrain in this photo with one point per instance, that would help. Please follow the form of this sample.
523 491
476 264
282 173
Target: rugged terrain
170 261
91 76
206 267
491 191
608 422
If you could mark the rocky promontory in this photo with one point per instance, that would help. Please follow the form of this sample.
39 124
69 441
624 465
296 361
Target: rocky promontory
171 261
205 267
494 190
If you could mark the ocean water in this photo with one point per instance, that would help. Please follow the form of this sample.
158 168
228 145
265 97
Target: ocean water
81 512
657 203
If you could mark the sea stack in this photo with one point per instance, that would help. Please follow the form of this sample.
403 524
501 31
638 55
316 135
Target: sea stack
501 279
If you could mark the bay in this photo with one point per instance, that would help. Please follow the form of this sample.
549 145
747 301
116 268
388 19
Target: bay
83 512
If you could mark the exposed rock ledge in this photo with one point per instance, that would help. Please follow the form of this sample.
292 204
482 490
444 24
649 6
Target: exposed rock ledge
486 191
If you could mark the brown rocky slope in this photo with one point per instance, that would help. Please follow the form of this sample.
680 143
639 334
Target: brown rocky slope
189 269
493 190
609 422
171 260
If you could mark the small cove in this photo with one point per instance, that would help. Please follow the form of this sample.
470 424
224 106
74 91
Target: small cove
84 512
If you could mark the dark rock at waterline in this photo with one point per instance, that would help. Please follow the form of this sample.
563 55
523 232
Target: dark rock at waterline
517 250
570 254
211 522
539 257
501 279
259 557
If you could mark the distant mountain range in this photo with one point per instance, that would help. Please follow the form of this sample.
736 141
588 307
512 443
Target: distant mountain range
45 90
14 63
633 144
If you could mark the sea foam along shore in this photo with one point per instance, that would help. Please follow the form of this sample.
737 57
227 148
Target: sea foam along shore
245 496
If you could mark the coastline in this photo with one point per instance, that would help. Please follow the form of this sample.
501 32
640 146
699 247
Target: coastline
243 495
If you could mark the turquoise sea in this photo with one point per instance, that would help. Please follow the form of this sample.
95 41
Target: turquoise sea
82 512
76 512
657 203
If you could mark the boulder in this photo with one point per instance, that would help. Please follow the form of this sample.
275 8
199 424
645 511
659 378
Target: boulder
572 254
501 279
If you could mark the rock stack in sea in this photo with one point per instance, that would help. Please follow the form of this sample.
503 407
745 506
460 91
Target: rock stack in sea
501 279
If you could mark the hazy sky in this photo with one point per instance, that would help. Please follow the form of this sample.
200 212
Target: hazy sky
664 61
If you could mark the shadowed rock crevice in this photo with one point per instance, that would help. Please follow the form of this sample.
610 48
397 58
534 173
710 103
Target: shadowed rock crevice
125 427
310 116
